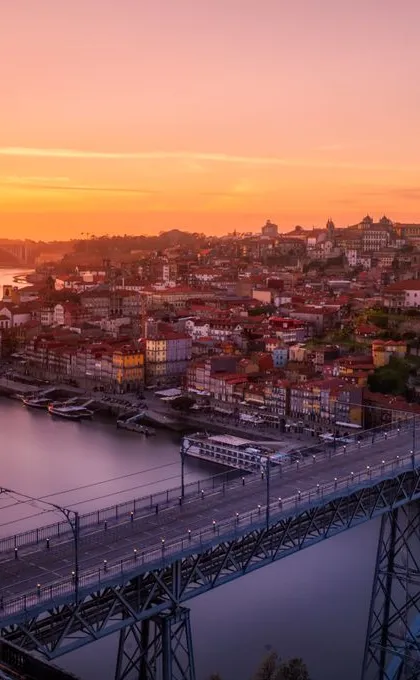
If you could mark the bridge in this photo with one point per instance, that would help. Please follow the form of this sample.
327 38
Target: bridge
16 253
132 567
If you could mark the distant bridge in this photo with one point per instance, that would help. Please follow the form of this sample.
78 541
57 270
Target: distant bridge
131 568
16 254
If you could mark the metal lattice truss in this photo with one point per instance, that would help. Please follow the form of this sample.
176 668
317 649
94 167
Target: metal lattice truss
157 647
393 641
164 588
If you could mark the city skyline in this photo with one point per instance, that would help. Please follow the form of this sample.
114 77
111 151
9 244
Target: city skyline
207 116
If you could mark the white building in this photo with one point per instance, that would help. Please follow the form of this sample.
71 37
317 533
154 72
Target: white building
58 315
197 328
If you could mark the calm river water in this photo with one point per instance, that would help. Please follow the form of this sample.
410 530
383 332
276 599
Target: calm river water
313 604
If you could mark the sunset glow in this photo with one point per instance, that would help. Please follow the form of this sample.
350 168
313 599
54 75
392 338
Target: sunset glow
208 115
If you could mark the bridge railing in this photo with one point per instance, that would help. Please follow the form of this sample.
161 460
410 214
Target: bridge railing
240 525
122 512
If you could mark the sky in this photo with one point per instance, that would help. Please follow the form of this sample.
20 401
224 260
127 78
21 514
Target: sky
210 115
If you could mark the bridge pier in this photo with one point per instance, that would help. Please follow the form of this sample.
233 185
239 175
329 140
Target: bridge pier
159 648
392 650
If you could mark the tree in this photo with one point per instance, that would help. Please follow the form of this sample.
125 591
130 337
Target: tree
272 668
390 379
294 669
182 403
268 669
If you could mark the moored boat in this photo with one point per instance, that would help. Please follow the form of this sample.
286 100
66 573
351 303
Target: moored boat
232 451
36 402
70 412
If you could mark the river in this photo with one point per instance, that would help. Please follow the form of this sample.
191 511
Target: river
313 604
7 277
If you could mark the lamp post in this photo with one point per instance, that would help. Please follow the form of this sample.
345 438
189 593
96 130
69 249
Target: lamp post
73 519
267 507
184 451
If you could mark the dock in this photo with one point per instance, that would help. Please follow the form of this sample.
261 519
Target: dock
134 424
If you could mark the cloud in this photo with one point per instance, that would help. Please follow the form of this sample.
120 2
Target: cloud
107 190
32 152
17 179
184 156
406 193
193 157
48 184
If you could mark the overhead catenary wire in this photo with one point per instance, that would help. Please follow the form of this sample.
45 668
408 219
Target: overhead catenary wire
78 503
95 484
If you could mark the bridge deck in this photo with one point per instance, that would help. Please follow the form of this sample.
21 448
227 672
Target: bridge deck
41 566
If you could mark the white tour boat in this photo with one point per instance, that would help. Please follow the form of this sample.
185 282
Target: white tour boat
230 451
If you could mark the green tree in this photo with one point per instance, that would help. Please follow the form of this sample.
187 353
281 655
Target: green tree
390 379
182 403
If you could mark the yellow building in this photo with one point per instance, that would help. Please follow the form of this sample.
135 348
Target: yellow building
11 294
383 351
128 369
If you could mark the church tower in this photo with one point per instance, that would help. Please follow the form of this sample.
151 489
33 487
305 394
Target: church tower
330 230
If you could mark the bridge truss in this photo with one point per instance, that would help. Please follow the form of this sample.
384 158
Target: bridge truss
144 601
393 640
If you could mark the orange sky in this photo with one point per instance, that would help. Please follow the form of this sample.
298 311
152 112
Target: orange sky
211 115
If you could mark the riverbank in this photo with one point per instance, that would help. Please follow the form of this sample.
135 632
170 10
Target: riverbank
150 411
296 603
22 279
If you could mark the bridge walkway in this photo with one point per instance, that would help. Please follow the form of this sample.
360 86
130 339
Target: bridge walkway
39 565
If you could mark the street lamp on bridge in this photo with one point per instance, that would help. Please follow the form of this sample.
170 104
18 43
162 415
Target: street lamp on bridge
72 518
185 447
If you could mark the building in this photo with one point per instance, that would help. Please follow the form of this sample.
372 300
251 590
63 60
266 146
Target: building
97 302
167 357
402 294
280 356
173 298
277 401
327 402
382 351
270 229
128 369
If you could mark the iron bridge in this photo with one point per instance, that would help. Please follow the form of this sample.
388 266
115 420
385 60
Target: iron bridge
132 568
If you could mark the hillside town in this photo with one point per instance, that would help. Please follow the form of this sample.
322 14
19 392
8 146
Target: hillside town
312 326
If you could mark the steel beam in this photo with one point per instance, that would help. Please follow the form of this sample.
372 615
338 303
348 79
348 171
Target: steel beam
160 647
392 650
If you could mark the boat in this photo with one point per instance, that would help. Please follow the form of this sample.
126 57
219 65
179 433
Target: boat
70 412
36 402
229 450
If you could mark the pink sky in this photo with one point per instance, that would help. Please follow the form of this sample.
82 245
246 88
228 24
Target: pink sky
206 114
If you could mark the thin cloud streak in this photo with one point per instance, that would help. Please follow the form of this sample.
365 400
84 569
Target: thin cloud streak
17 179
191 156
31 152
83 187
